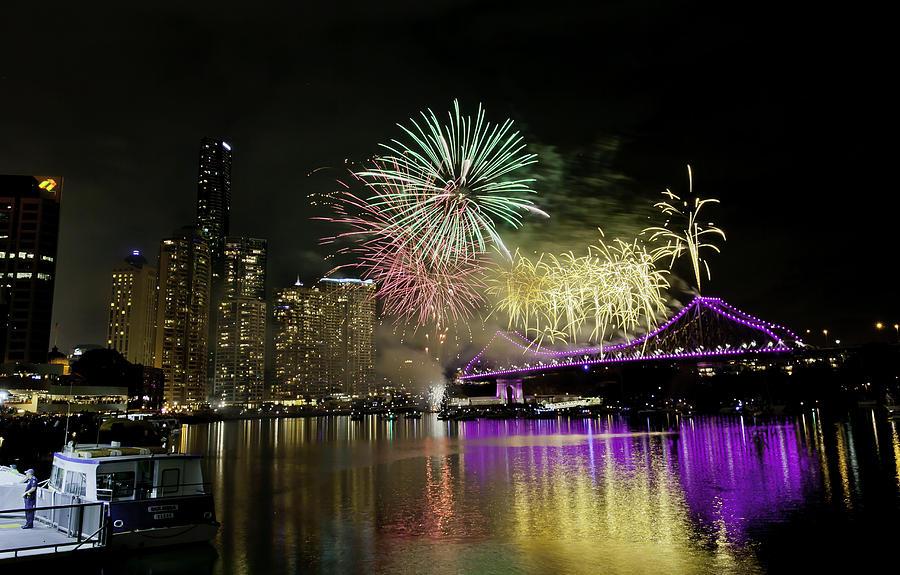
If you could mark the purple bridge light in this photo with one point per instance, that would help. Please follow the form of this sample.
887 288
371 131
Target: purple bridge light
707 328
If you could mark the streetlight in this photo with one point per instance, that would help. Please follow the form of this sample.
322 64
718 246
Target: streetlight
825 332
880 325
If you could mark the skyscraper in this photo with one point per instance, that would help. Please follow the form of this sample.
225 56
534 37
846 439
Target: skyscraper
324 339
214 193
350 334
131 329
213 206
182 316
29 230
240 339
240 352
298 317
244 268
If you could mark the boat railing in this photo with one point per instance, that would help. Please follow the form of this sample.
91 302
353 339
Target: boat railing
80 524
60 512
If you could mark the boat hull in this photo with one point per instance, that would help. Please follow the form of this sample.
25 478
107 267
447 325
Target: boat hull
162 521
163 537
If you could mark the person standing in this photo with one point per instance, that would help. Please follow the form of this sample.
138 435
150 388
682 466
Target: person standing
30 497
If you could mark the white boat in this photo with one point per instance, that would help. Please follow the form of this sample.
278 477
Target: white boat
11 476
151 498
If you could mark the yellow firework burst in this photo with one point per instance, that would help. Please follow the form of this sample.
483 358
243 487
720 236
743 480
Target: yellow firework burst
690 237
614 286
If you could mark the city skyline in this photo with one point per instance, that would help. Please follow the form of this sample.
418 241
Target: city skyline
776 116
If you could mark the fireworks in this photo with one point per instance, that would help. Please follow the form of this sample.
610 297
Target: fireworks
691 238
412 288
453 182
421 291
633 285
614 286
423 228
428 217
523 288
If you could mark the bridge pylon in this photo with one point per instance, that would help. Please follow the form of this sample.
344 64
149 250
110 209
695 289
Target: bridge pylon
510 390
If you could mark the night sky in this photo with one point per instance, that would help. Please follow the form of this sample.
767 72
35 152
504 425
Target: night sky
782 112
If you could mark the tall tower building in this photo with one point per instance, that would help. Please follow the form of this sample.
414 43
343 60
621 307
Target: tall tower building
214 193
240 340
29 230
131 329
350 333
240 352
244 268
213 206
182 316
324 339
298 317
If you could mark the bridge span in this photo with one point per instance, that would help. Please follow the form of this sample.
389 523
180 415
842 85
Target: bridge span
706 328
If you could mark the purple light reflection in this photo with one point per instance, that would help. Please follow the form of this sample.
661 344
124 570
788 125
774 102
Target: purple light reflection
712 477
735 475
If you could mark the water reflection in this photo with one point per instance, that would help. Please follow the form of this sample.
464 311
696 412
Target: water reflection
702 495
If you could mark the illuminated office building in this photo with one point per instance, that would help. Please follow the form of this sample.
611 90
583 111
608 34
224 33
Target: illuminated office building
213 207
182 317
214 193
240 352
298 318
29 230
244 268
240 340
324 339
350 334
131 328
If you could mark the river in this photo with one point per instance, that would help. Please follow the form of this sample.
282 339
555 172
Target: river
602 495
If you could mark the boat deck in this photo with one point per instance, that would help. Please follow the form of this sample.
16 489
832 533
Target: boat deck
16 542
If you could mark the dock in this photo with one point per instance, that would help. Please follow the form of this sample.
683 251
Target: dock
58 530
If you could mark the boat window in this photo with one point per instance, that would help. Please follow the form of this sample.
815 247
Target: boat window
170 481
75 483
119 484
145 478
56 478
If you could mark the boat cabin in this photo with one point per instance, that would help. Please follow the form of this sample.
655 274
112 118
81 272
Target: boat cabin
116 473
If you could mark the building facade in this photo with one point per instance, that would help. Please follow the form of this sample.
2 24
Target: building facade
240 339
240 352
213 220
244 268
29 231
324 339
182 317
298 318
214 193
131 326
350 334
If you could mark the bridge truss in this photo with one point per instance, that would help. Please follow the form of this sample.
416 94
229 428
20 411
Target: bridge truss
707 327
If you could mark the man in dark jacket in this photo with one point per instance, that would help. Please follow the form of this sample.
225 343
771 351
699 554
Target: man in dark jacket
30 497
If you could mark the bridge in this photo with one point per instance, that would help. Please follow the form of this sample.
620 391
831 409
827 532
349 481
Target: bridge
706 328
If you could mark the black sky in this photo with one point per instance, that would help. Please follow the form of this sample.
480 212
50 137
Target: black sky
781 110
